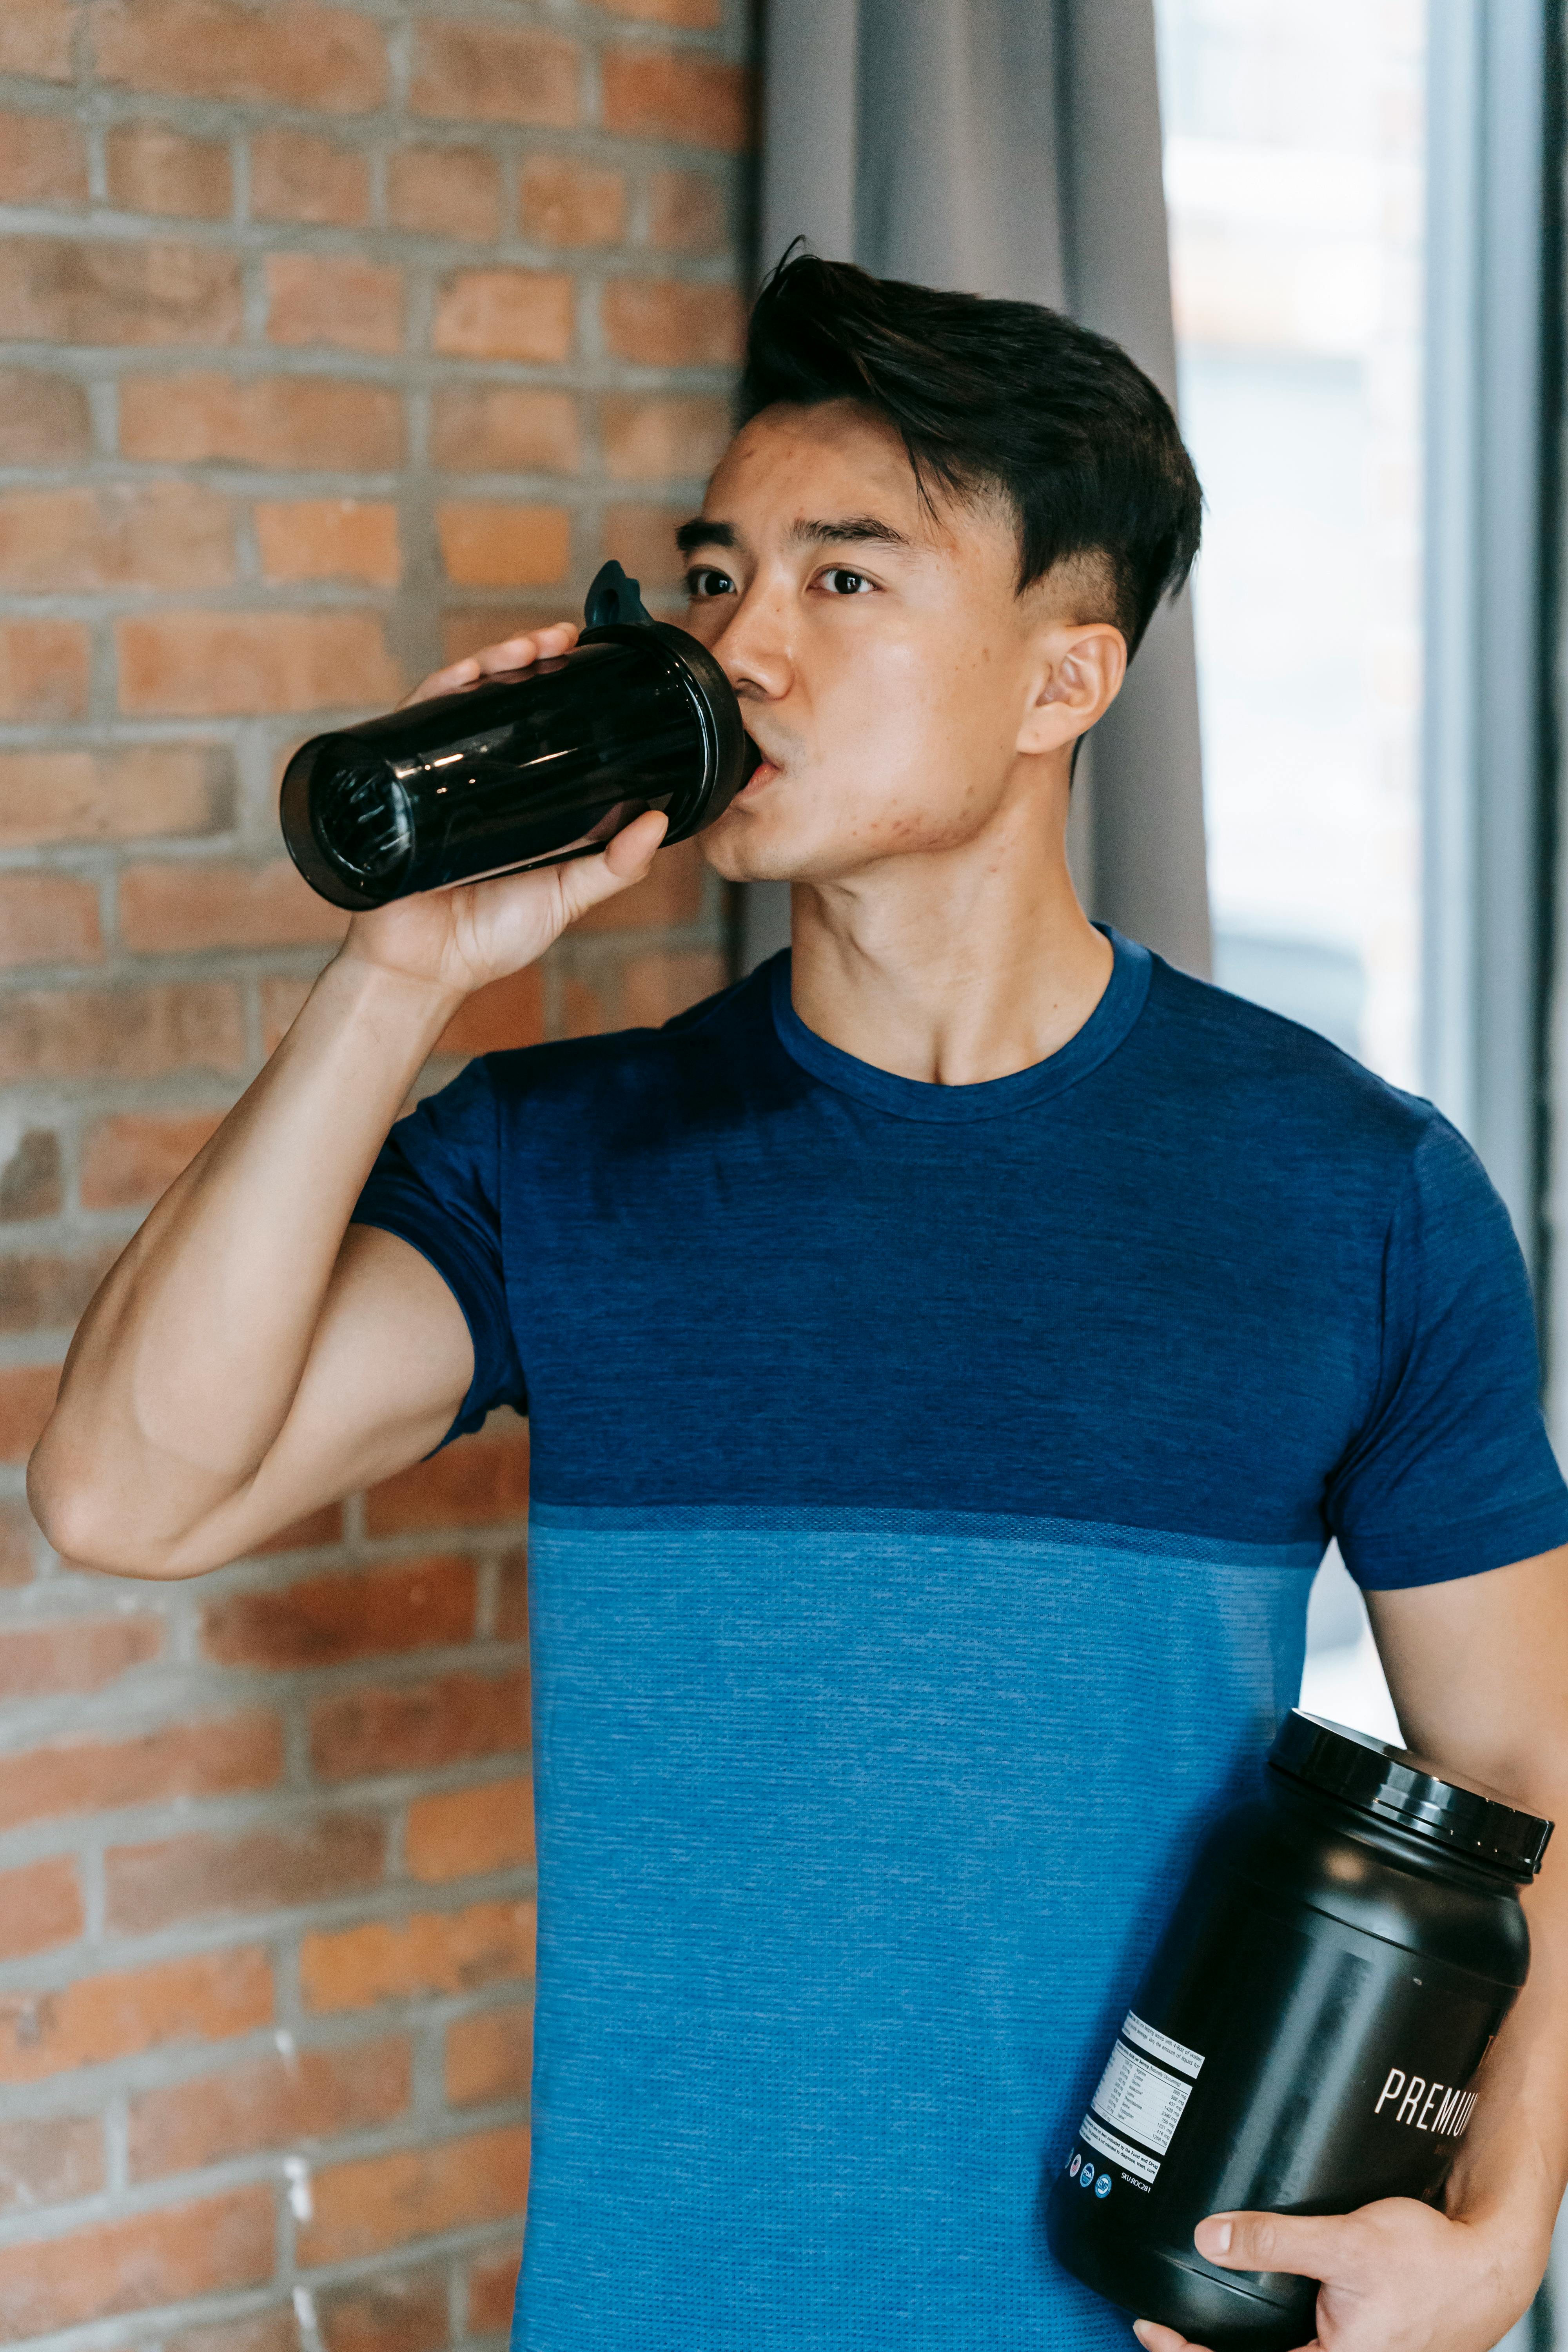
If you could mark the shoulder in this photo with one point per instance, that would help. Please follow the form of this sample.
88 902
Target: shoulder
1267 1087
697 1044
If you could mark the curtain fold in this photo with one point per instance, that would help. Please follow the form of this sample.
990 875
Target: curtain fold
1011 147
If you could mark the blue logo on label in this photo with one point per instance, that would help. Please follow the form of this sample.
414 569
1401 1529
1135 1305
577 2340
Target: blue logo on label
1102 2186
1085 2177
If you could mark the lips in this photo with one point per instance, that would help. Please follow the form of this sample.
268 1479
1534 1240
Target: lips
763 770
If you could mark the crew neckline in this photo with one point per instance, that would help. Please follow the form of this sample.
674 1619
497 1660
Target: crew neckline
1101 1035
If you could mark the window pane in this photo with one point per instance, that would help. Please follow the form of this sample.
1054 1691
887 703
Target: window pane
1293 158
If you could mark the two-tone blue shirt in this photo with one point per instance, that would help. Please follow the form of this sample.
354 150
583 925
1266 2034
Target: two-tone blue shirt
927 1487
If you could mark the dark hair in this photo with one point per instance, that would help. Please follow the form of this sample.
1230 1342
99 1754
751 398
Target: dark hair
991 394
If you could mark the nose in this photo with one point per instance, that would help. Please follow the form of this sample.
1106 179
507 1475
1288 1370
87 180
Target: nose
755 649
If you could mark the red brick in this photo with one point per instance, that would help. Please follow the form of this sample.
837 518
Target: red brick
466 630
291 51
688 212
490 2056
404 2311
277 2330
444 192
667 322
205 1876
493 2289
217 2244
295 422
297 176
318 1621
43 672
404 1959
511 1599
153 168
699 14
658 438
135 1033
672 894
44 419
43 161
671 94
468 1832
495 73
49 2160
31 1183
210 1997
57 289
16 1532
200 665
36 38
322 298
151 535
473 1483
275 2101
504 314
416 1727
27 1401
48 919
75 1653
507 1013
150 788
380 2201
211 1758
51 1288
494 428
128 1160
329 539
40 1906
489 545
566 201
642 539
654 988
165 909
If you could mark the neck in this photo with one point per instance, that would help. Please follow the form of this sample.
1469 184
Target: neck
953 966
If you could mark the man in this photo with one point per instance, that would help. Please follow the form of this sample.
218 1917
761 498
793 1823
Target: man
947 1355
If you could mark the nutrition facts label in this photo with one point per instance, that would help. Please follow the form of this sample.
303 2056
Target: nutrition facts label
1139 2098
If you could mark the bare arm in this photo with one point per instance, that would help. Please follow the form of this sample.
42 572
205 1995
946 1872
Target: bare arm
251 1356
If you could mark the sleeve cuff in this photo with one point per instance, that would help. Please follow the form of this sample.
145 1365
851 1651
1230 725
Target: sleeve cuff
1468 1548
489 1344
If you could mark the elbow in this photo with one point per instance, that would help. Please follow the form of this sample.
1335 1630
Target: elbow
86 1524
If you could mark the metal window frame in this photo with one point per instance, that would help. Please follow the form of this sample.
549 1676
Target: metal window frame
1490 476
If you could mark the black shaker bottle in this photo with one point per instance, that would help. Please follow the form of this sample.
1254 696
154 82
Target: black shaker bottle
1307 2036
528 769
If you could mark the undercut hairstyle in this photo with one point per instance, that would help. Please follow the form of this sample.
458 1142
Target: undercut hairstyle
989 397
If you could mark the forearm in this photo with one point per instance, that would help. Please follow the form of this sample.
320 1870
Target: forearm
1513 2166
184 1368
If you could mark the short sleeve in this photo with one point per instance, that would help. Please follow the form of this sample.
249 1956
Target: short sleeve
1453 1471
435 1185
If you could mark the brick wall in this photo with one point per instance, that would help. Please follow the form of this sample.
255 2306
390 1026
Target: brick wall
334 340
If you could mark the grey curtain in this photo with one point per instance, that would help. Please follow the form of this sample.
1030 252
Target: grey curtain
1011 147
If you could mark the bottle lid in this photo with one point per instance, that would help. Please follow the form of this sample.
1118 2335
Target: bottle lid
1388 1782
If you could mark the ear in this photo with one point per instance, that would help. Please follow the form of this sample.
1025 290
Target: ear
1079 677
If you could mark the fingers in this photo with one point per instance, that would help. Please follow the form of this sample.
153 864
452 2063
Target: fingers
491 661
1315 2247
1156 2339
588 880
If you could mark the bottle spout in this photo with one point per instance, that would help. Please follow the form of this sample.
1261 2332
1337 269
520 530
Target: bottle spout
613 601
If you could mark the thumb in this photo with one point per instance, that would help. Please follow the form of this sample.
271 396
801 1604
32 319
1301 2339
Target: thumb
586 880
1320 2246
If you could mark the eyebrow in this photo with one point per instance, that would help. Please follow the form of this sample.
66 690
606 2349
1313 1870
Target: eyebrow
845 530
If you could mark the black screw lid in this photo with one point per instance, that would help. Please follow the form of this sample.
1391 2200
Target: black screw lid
1397 1787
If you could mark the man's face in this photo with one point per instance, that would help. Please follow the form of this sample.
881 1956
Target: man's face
884 663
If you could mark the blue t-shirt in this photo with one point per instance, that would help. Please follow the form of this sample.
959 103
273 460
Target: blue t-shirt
927 1485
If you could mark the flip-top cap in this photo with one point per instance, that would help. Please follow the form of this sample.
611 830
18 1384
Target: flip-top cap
1396 1787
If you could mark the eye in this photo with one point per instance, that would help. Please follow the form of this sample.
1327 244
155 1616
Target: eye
705 579
841 581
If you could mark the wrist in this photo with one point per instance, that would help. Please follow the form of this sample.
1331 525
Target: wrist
406 1010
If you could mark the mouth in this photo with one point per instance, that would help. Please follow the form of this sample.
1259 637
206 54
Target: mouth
763 771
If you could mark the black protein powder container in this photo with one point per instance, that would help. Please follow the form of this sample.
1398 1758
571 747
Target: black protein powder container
531 768
1307 2036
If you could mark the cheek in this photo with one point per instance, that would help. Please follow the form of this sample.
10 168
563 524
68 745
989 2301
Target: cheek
913 727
